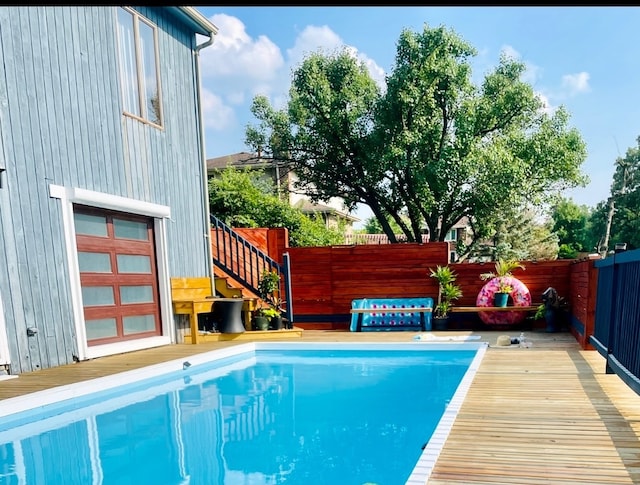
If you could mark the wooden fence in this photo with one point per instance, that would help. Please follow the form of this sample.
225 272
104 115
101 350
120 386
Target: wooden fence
324 281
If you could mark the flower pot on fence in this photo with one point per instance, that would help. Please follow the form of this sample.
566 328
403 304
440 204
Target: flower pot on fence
500 299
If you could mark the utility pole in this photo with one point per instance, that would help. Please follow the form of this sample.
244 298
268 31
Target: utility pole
604 249
605 245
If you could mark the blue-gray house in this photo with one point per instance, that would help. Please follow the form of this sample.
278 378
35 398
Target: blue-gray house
103 192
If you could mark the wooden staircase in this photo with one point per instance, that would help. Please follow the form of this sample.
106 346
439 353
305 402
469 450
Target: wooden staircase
227 287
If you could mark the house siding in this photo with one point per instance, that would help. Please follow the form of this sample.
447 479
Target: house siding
61 123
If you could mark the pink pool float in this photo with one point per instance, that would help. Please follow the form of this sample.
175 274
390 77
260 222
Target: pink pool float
520 296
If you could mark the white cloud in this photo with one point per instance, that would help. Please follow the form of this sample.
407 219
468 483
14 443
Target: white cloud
531 73
509 51
313 39
237 67
216 114
547 107
576 83
236 63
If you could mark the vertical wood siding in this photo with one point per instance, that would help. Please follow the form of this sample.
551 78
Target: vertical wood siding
61 123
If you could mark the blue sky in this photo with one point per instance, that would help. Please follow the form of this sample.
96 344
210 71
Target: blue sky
584 58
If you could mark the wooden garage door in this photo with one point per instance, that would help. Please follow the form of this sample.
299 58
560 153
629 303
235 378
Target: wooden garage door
116 258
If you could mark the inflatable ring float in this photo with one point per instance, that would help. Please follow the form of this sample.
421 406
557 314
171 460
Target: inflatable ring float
520 296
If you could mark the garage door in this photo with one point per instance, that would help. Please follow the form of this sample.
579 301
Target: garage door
116 257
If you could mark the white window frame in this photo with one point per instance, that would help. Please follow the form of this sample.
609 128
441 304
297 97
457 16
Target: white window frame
160 213
143 117
448 236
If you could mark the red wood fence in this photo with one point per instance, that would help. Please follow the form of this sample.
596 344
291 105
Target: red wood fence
324 280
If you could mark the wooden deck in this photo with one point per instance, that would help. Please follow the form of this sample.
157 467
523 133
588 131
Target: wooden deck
544 415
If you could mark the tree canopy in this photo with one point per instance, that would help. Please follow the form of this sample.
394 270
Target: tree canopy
428 149
246 198
571 224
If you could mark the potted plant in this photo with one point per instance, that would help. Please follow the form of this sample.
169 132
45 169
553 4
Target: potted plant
502 274
261 318
553 309
448 292
269 289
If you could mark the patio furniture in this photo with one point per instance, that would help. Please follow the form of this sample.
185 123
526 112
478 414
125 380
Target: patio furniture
391 314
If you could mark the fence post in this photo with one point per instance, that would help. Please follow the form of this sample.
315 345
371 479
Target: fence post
286 270
612 318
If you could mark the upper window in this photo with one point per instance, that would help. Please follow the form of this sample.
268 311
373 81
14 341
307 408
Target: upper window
138 55
452 235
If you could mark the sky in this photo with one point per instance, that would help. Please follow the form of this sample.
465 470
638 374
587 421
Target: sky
583 58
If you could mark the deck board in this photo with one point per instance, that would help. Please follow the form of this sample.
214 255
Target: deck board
544 415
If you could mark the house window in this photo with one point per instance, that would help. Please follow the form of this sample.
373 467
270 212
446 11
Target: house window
139 76
452 235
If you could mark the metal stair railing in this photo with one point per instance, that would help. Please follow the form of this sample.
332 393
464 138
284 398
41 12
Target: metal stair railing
245 263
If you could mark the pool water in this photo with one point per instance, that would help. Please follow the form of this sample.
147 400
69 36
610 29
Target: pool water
350 415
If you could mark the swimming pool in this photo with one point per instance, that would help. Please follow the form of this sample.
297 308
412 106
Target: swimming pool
252 414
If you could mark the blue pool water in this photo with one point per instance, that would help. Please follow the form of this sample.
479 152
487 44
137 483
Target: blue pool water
296 415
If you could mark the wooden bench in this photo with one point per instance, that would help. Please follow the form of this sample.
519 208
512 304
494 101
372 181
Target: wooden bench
194 296
468 309
391 314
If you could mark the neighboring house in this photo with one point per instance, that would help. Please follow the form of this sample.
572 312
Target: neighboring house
103 192
459 232
332 212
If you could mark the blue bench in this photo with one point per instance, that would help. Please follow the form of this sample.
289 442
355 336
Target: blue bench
391 314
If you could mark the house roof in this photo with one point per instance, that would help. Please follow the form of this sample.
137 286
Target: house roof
240 159
309 207
195 20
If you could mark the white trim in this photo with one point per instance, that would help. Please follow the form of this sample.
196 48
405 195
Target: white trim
4 341
164 285
96 351
70 196
115 202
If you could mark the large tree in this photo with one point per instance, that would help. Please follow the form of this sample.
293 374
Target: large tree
571 224
429 149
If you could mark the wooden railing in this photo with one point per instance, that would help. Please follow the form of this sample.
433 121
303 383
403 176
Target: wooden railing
616 332
245 263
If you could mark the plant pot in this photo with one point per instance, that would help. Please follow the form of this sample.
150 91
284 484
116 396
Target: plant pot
261 323
500 299
440 323
275 323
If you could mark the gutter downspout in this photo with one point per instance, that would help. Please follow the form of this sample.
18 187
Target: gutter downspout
205 178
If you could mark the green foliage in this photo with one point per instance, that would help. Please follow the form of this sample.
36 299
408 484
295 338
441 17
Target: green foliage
625 191
448 291
503 269
570 223
567 251
373 226
269 290
519 235
246 198
430 149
